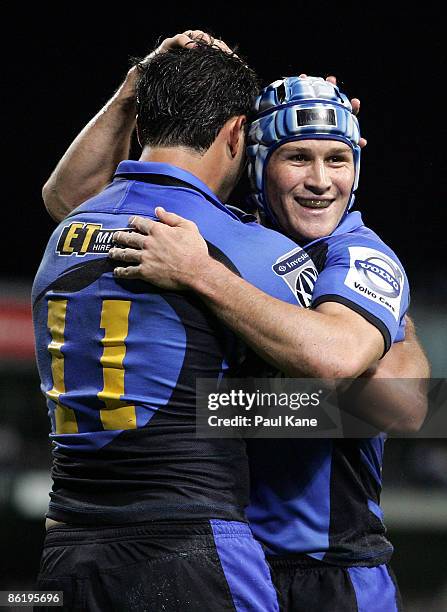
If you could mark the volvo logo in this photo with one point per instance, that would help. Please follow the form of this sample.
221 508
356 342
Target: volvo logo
380 275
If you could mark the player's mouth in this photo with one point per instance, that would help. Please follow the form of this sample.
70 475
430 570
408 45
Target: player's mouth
315 203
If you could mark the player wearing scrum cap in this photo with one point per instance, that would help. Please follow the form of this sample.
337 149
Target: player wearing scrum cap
319 519
298 521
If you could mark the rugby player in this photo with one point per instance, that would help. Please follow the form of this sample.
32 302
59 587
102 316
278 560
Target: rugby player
292 532
142 514
315 504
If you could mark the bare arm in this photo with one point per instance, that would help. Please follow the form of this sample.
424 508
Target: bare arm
405 359
392 395
329 342
90 161
88 164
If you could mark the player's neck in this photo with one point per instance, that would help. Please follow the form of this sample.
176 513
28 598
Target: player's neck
202 166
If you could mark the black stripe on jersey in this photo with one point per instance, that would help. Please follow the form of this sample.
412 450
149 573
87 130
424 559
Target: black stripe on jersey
383 329
208 342
318 254
354 530
83 274
159 471
242 215
164 180
220 256
79 277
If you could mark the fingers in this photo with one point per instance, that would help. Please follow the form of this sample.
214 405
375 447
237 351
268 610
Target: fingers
220 44
200 36
355 103
179 40
131 272
174 42
128 255
172 219
186 39
129 239
303 75
332 79
204 37
142 224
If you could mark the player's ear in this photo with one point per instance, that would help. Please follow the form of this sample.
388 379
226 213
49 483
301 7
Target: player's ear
236 134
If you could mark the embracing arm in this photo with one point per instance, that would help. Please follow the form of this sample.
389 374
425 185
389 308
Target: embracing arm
90 161
88 164
405 359
393 394
331 341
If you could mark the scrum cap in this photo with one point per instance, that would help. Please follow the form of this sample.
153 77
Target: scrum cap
298 108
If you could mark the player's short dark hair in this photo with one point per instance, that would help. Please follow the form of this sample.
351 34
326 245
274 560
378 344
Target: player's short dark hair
185 96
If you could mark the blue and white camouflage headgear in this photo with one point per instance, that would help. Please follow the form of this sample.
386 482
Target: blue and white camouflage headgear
298 108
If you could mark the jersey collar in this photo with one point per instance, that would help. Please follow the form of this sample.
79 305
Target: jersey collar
350 222
138 167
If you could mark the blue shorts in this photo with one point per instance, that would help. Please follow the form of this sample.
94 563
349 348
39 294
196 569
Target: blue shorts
171 566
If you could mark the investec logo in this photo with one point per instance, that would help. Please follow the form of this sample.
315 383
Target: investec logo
85 238
298 270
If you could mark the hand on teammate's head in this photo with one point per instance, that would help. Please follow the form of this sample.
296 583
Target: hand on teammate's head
204 37
188 38
355 103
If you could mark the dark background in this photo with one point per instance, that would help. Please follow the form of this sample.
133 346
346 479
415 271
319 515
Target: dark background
64 66
60 67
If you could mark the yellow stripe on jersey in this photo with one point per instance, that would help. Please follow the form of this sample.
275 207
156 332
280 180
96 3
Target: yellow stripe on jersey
65 417
115 321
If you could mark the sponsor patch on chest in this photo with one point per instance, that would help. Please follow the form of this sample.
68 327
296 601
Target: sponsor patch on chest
377 277
298 271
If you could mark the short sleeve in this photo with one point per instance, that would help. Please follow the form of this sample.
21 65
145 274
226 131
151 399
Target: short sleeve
368 278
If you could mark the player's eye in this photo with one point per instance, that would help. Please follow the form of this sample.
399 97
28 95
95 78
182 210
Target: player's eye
297 157
337 159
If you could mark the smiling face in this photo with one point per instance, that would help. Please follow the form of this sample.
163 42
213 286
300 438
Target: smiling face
308 184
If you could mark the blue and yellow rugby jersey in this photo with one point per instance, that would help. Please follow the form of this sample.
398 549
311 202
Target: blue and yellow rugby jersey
319 497
118 359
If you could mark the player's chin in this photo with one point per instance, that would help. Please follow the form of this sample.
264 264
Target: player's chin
313 228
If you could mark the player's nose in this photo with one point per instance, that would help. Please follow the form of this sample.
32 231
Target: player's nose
318 178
